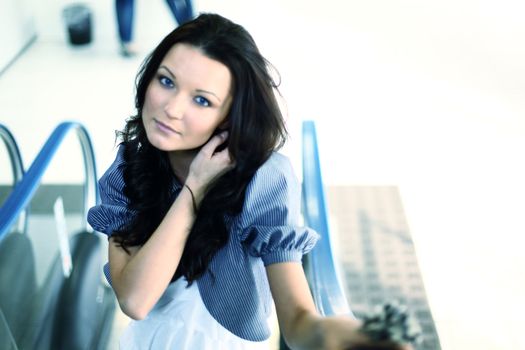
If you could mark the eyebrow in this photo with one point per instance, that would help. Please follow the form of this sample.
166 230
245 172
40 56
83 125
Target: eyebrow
198 90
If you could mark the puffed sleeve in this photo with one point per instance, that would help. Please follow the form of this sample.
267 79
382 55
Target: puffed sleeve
269 220
112 214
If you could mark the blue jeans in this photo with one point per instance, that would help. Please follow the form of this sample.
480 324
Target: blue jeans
182 10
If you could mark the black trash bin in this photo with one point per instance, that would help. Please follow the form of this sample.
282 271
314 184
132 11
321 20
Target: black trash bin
79 23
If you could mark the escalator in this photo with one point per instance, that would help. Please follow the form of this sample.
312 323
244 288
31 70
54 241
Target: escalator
52 292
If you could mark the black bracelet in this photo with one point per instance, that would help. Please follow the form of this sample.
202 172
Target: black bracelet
192 199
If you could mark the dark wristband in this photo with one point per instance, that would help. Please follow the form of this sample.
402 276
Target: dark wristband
192 199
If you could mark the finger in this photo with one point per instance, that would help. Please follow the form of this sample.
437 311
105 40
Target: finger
223 155
214 142
224 158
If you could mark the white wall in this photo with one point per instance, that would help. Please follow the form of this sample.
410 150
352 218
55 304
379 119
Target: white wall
16 29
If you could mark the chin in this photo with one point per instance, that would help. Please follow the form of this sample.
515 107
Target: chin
159 143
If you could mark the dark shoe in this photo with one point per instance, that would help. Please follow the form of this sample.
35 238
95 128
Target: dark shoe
128 50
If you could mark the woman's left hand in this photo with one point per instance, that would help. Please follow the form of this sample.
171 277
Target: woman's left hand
343 333
208 165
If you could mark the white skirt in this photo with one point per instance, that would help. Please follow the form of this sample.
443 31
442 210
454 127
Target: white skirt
181 321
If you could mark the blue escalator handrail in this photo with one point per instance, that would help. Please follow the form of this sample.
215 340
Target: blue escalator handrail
14 153
23 192
17 167
321 269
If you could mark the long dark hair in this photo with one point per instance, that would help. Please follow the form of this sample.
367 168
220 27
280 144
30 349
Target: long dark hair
256 128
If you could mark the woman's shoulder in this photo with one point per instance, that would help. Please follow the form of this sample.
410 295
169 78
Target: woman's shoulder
276 165
119 158
112 181
275 177
112 212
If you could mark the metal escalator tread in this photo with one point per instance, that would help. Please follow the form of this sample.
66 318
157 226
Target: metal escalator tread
82 305
17 281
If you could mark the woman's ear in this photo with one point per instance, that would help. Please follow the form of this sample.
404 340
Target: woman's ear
225 125
222 127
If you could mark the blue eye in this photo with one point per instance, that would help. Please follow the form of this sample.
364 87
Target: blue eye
165 81
202 101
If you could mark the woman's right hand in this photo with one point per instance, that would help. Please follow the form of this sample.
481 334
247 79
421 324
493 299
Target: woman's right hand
208 165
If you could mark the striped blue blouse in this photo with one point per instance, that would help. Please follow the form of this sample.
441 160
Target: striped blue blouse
265 232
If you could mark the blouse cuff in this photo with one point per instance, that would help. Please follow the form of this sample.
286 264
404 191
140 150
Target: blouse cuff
282 256
108 218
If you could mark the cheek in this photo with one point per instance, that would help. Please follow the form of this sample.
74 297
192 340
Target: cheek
201 129
152 100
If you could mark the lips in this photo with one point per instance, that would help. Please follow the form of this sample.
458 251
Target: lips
165 127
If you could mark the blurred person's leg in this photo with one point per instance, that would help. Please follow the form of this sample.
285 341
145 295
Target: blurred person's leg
125 12
182 10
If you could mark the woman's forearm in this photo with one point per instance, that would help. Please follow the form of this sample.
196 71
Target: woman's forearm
305 332
141 278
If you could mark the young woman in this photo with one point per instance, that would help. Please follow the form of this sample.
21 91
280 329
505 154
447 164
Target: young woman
200 209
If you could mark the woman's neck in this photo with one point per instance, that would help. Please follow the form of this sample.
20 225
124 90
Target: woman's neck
180 162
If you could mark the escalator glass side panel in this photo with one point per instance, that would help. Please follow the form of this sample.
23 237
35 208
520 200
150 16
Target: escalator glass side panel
7 340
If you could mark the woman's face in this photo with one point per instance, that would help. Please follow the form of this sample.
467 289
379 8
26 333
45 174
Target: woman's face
188 98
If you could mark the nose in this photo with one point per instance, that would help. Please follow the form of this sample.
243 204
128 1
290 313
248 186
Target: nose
176 107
